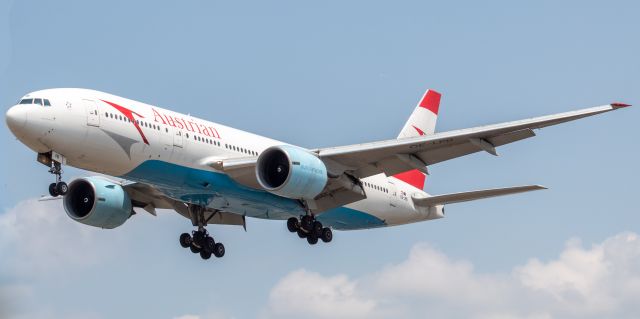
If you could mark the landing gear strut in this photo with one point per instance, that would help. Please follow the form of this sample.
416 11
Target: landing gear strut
311 229
59 188
199 241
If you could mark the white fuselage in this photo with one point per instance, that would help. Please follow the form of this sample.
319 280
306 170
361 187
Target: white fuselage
116 136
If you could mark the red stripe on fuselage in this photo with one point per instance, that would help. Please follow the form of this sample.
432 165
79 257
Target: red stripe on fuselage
129 114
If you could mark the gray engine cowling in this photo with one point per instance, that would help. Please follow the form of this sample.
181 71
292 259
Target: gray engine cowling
291 172
97 202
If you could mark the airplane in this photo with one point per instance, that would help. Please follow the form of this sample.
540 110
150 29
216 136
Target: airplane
214 174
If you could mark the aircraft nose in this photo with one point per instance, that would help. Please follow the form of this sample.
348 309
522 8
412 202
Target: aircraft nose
16 118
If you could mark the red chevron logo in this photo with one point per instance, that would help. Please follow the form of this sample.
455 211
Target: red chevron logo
129 114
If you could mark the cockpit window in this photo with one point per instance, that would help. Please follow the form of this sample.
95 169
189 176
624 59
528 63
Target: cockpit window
44 102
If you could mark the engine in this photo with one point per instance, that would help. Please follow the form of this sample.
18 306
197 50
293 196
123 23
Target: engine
291 172
97 202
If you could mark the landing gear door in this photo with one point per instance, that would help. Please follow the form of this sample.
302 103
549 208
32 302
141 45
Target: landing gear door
177 138
93 118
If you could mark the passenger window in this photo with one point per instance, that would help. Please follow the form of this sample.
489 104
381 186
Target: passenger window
46 102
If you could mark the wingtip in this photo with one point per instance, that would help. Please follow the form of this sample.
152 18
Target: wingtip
618 105
540 187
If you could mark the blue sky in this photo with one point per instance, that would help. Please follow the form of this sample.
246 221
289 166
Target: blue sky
331 73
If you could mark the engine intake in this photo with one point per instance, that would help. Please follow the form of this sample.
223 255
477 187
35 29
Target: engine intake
97 202
291 172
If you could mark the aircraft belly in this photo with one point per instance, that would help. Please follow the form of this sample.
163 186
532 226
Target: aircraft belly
215 190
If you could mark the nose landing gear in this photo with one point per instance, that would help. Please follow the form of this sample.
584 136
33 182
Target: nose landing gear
59 188
311 229
199 241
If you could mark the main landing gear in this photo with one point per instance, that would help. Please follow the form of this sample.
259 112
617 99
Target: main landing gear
311 229
199 241
59 188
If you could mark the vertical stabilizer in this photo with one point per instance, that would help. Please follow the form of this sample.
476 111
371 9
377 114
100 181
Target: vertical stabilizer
421 122
423 119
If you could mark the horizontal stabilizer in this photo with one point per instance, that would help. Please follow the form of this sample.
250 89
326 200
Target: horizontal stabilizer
473 195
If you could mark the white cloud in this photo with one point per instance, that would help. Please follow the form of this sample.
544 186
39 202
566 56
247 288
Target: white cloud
38 240
600 281
41 239
303 292
604 279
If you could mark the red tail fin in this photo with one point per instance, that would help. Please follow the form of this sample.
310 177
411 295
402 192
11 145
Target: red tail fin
413 177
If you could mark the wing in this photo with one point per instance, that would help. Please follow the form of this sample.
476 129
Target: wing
399 155
347 164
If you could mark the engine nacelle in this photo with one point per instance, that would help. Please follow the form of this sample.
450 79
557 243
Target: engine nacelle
291 172
97 202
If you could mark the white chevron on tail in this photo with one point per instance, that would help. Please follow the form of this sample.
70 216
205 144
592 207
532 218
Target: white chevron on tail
423 119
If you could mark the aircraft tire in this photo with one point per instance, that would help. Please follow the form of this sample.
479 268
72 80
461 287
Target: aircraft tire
209 244
327 235
62 188
205 254
316 228
306 222
312 240
185 240
292 224
218 250
53 191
